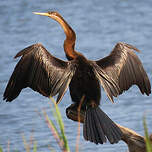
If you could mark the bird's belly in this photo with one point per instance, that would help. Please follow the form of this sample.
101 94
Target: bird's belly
87 86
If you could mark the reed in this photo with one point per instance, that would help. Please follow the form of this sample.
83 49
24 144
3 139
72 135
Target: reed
58 132
59 135
30 145
148 142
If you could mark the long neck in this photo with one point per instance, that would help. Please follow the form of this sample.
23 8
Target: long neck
69 43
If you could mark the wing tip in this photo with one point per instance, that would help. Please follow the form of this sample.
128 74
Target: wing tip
28 49
5 98
110 97
148 93
122 44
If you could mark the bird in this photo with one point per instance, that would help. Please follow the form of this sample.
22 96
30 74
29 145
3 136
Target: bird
50 76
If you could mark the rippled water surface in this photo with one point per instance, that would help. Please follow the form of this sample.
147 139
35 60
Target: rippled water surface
99 25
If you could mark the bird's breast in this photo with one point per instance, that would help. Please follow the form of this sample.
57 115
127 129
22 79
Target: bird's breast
84 82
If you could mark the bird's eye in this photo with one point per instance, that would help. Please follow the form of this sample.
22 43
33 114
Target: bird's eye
53 13
49 12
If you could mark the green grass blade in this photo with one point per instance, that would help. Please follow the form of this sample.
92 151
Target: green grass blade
1 150
53 110
148 143
54 131
26 146
35 147
61 125
52 125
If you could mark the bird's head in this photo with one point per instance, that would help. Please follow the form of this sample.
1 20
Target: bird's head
57 17
69 43
52 14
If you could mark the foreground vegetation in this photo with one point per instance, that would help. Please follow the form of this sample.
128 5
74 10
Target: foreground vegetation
148 142
59 134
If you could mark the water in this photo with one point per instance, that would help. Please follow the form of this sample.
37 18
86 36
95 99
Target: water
99 26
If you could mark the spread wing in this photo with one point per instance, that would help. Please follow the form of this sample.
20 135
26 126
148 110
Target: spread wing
42 72
120 70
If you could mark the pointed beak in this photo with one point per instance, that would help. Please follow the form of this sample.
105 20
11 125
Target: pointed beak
42 14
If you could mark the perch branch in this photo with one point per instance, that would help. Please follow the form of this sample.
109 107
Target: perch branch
134 141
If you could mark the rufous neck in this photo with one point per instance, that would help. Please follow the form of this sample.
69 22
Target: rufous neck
69 43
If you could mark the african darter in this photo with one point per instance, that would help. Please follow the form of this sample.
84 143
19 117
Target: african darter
50 76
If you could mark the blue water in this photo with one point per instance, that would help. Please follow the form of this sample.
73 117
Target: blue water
99 25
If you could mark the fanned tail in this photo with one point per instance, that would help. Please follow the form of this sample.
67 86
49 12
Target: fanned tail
97 126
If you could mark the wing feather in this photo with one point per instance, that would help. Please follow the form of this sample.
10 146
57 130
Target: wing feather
42 72
120 70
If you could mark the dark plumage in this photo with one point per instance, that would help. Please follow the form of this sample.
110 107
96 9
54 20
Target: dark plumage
49 76
40 71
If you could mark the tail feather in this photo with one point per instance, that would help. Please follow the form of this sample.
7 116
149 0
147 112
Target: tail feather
86 130
101 135
96 136
117 133
98 126
113 138
112 132
90 129
91 138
